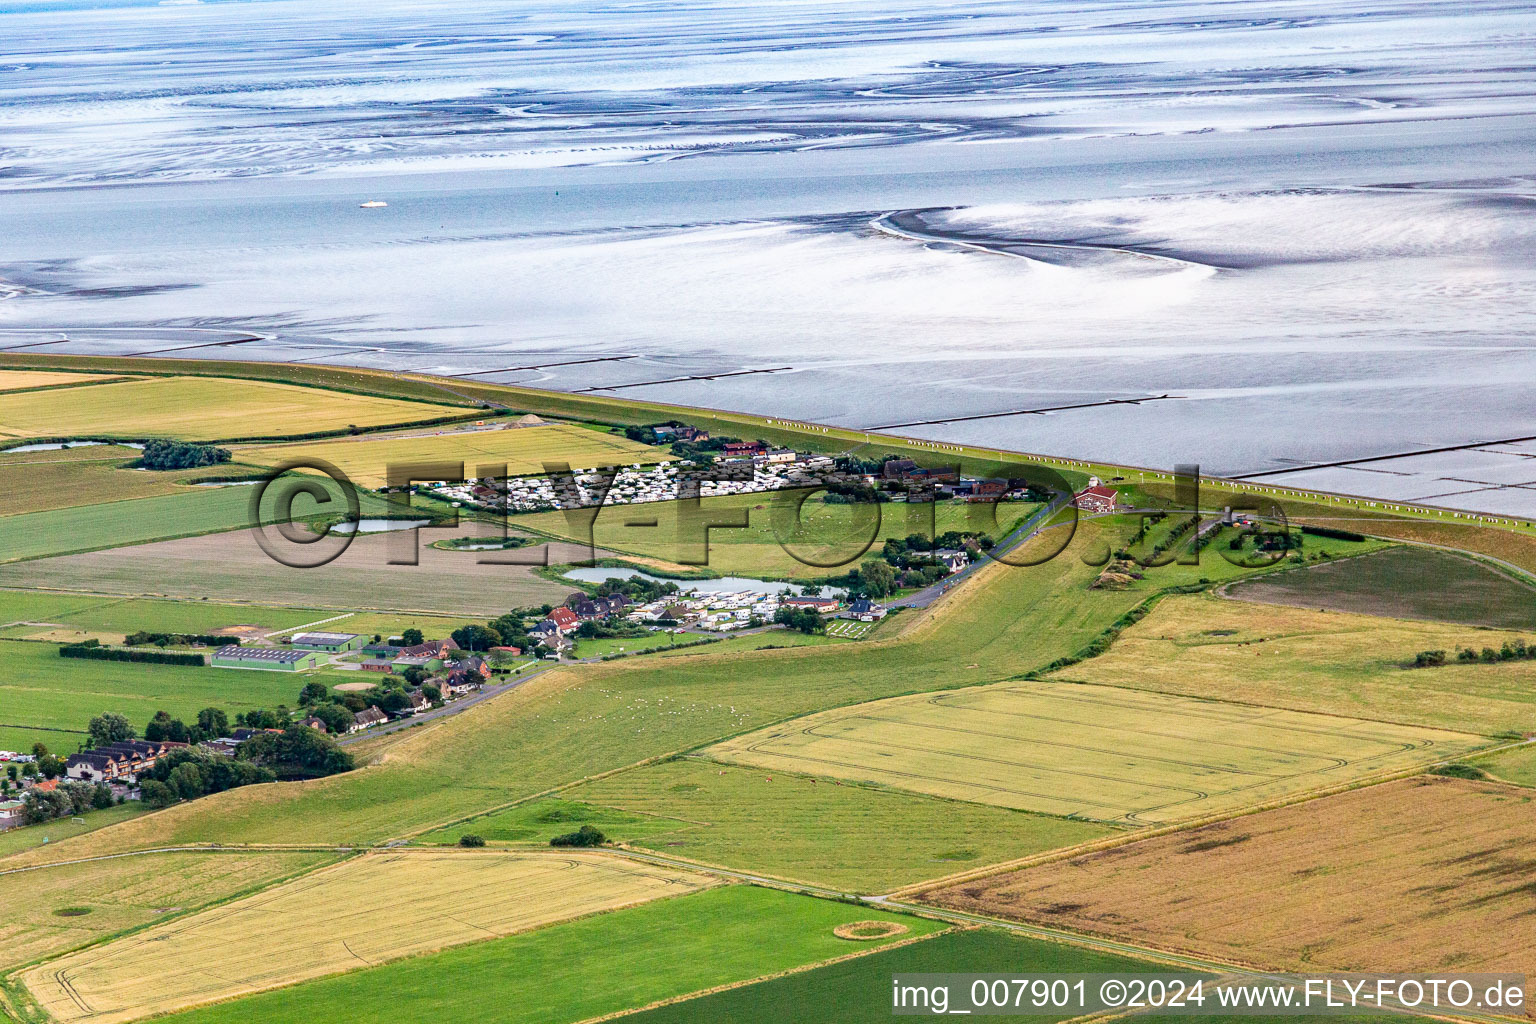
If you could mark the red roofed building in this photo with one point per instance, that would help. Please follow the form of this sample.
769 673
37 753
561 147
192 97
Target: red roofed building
1095 499
564 619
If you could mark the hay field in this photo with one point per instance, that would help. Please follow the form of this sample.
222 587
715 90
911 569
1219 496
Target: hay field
1405 582
581 970
523 450
1309 660
129 892
1417 875
20 380
232 567
362 912
1092 752
201 408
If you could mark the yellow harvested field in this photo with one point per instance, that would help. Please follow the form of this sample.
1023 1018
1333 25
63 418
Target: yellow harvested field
17 380
523 450
1419 875
368 910
55 909
1092 752
1309 660
201 408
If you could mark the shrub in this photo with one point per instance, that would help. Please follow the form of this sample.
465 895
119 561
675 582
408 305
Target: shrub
1428 659
1459 771
471 840
584 836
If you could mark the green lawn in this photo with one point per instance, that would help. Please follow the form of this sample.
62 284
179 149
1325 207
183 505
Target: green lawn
18 839
39 688
1406 582
859 990
793 826
536 823
1518 765
617 645
582 969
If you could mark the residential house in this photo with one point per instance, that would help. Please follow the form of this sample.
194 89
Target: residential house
564 620
367 718
12 814
314 723
586 609
866 610
896 469
1095 499
952 559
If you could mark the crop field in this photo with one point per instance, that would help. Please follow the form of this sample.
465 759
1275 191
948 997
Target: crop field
1329 662
794 826
233 567
103 898
1408 583
674 532
42 690
21 380
117 523
118 615
1092 752
582 969
377 908
523 450
200 409
1417 875
37 486
858 991
576 723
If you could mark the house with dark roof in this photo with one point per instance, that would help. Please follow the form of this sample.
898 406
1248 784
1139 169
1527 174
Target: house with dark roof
866 610
367 718
314 723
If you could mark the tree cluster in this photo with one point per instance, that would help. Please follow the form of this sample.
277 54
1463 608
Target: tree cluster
144 638
1516 650
587 835
92 650
179 455
296 752
806 620
67 800
190 772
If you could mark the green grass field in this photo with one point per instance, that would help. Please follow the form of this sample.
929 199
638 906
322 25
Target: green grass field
858 991
38 486
536 823
1094 752
18 840
570 972
678 534
1517 765
1406 582
793 826
522 450
39 688
118 523
127 615
200 408
619 645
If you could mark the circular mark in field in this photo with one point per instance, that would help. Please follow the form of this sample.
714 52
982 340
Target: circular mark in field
865 931
71 911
